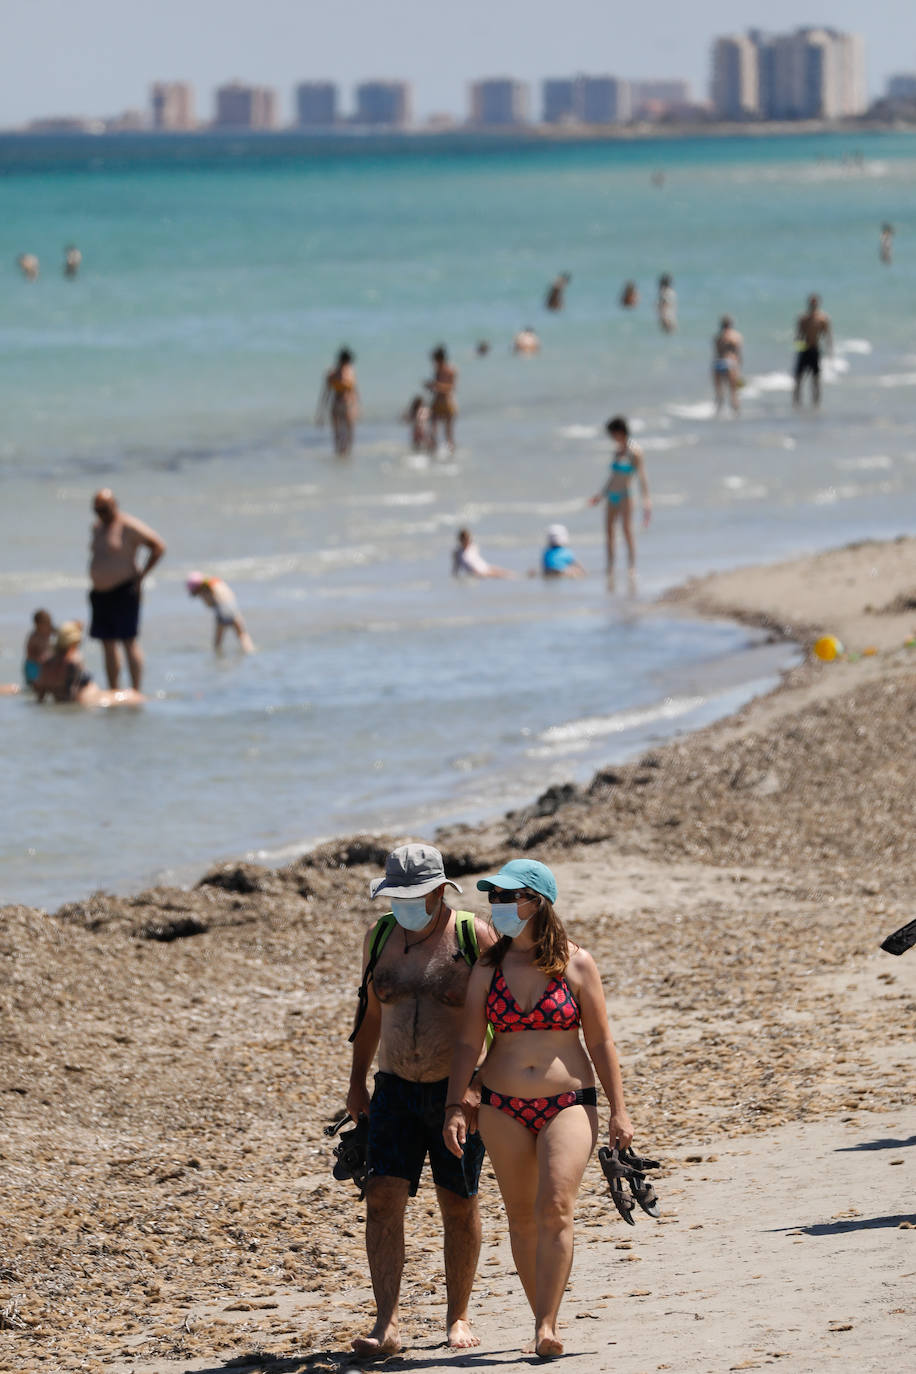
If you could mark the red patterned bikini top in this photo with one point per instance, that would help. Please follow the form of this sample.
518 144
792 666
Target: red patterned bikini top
556 1009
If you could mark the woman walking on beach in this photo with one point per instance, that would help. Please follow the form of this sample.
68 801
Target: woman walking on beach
340 396
627 462
538 1111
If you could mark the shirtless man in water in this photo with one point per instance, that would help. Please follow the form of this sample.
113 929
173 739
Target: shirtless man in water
412 1017
811 329
116 540
444 406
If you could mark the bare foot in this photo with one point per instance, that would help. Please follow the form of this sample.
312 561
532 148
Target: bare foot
381 1342
548 1348
461 1337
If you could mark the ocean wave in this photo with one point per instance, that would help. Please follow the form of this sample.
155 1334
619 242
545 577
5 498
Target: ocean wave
576 735
659 443
897 379
763 382
877 460
699 410
744 488
854 346
407 498
578 432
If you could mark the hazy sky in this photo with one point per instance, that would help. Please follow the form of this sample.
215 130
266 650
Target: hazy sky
97 57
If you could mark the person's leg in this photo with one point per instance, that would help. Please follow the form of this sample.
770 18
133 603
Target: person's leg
626 517
717 388
450 433
134 662
461 1230
112 661
513 1153
433 434
563 1150
610 516
218 636
734 390
245 643
386 1202
816 385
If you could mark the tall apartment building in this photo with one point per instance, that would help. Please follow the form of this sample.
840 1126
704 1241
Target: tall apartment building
604 100
383 102
499 102
558 99
813 73
735 77
172 105
902 86
586 100
316 104
245 107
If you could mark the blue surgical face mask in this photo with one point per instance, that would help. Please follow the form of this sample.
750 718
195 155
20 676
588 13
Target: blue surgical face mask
506 920
410 912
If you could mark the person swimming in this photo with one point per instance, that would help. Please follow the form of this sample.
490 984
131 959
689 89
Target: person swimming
629 296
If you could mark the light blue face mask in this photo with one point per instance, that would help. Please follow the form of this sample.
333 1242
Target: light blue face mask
410 912
506 920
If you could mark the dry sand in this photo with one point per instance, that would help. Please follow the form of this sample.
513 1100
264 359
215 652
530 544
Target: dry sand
167 1195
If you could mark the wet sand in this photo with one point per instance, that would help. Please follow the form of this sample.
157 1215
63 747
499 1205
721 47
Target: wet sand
161 1100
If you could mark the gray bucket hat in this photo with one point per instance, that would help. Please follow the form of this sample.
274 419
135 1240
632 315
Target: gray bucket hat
413 870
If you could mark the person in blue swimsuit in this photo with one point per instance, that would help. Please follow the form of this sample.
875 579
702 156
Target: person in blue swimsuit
627 462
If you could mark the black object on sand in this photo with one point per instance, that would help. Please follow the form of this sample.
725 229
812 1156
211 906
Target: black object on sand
901 940
351 1151
621 1166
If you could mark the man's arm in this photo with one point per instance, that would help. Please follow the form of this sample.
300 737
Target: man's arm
148 537
364 1046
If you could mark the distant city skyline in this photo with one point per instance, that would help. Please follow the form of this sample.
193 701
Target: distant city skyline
102 57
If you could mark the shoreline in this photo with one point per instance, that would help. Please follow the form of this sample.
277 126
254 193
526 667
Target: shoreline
172 1057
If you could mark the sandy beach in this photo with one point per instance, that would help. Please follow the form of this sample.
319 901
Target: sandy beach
170 1059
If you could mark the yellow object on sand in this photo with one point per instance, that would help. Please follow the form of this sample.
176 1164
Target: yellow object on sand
827 648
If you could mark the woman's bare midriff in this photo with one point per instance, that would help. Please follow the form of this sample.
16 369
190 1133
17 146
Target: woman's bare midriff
537 1063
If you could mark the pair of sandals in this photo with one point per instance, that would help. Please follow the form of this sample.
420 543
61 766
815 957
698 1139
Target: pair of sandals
623 1166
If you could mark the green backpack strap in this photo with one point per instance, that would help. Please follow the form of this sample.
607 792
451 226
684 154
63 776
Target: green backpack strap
467 943
382 929
467 937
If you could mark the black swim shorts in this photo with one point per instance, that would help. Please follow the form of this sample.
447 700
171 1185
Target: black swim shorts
405 1124
808 360
116 613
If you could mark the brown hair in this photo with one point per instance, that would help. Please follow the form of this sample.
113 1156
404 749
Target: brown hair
551 946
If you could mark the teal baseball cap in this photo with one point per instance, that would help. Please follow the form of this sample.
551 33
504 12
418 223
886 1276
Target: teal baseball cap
522 873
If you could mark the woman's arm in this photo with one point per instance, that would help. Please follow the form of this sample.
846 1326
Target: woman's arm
600 1043
464 1059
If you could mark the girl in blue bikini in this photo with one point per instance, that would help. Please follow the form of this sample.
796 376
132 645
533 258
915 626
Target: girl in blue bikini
627 462
538 1113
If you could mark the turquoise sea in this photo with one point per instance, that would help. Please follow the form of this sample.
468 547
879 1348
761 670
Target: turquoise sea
182 369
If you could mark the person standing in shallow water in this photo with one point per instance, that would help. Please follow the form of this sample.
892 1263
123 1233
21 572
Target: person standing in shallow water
538 1104
812 329
116 540
626 464
444 407
340 398
727 347
413 1006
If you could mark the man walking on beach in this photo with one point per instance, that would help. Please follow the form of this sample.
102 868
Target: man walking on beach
811 329
116 580
414 994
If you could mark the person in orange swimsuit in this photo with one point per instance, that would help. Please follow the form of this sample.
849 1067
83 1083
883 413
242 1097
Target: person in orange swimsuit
538 1113
340 398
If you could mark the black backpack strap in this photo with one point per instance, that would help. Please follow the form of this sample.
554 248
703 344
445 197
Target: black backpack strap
383 928
467 937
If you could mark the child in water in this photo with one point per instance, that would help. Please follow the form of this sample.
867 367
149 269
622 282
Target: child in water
38 646
417 416
218 595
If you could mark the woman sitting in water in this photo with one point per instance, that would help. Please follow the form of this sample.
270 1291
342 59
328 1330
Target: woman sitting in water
64 678
538 1111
